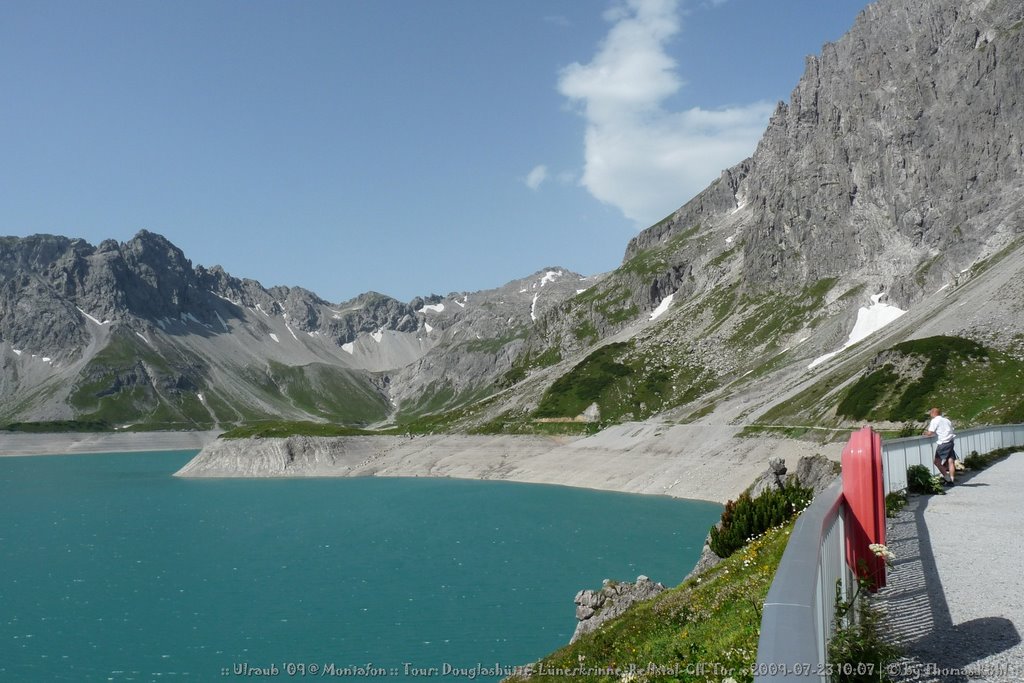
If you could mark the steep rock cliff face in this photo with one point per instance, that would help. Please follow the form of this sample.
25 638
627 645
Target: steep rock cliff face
898 158
895 170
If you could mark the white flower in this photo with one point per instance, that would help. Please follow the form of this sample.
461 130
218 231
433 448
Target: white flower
883 552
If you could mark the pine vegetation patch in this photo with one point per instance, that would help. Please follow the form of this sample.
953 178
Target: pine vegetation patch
625 382
284 428
864 395
746 517
972 383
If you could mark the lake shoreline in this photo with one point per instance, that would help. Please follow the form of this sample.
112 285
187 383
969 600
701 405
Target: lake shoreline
20 444
694 462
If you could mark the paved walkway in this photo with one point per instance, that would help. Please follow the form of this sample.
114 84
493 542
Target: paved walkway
955 598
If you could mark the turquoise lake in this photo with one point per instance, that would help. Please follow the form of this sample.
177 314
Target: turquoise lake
113 570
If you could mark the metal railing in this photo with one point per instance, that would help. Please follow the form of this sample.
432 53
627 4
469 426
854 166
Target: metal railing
797 620
899 454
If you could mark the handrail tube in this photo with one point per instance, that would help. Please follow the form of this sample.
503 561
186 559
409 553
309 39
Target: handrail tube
791 646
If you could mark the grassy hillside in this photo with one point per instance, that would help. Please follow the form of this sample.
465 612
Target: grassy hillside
714 618
154 386
625 382
972 383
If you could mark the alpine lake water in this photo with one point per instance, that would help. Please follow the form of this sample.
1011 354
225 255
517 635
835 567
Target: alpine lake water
111 569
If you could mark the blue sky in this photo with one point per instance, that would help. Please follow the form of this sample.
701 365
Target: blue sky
401 146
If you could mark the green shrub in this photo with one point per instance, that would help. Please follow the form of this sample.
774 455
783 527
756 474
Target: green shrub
976 461
921 480
747 517
894 502
858 651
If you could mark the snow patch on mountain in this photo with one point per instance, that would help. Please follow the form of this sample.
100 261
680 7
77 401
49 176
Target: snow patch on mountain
870 319
105 322
662 307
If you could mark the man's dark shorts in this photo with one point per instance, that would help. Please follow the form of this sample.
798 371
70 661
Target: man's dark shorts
945 452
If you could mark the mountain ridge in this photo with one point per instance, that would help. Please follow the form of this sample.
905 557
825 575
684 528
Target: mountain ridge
894 172
67 304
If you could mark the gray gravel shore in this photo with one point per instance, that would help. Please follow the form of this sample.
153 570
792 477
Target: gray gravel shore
704 462
15 443
954 598
695 461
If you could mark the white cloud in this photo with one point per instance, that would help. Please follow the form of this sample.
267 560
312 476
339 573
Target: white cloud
640 158
537 176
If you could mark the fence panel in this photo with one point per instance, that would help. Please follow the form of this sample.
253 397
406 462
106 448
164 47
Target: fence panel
899 454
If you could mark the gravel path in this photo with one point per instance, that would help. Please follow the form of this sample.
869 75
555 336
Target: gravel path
954 598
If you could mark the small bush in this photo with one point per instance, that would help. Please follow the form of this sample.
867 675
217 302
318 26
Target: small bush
748 517
920 480
976 461
858 651
909 429
894 502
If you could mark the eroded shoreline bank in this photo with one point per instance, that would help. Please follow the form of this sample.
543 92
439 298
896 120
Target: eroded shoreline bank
699 462
67 443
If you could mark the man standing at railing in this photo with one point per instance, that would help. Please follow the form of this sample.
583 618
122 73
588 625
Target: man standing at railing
945 456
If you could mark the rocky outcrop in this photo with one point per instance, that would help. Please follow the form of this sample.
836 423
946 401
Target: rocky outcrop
815 472
772 478
594 608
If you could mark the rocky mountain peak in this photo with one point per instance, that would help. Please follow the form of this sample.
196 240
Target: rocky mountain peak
898 157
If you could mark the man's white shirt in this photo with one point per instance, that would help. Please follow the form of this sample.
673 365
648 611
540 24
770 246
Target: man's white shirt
942 428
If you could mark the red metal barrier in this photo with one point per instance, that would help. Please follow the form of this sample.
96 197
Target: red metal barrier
865 505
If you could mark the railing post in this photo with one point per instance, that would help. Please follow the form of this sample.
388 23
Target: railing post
865 505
